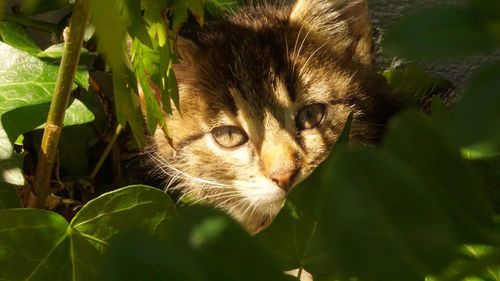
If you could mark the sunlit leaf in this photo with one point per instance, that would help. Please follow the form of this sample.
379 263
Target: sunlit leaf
110 29
15 35
136 25
127 103
26 83
146 64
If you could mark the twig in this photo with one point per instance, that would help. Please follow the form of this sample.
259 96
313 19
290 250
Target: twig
64 83
106 152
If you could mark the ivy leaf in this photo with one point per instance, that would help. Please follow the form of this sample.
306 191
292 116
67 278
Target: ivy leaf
25 83
15 35
38 241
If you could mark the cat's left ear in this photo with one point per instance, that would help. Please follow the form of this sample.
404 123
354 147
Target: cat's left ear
344 22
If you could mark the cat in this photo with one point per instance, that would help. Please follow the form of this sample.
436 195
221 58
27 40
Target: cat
264 94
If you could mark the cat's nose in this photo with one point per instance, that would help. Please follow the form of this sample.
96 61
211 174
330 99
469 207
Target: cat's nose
284 180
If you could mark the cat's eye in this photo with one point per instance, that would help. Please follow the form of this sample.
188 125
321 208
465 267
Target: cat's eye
229 136
310 116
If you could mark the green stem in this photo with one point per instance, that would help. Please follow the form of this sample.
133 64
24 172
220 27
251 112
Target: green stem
106 152
64 83
24 21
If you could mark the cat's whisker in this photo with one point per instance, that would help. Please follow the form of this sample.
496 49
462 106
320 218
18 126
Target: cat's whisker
217 196
164 162
312 55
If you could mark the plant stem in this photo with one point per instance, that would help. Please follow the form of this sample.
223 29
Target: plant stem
64 83
106 151
24 21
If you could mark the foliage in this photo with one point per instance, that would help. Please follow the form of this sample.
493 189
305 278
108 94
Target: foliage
421 205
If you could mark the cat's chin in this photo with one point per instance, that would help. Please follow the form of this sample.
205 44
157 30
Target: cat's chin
261 216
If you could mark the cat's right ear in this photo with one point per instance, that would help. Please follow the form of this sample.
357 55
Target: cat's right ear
342 22
186 49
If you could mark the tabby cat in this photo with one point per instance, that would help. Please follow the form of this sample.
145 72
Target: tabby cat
264 94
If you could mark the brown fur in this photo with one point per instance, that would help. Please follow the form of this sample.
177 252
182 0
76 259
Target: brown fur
255 69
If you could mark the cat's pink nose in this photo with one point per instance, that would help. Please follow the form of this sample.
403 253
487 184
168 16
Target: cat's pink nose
283 180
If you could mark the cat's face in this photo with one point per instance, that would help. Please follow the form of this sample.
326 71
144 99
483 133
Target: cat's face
264 94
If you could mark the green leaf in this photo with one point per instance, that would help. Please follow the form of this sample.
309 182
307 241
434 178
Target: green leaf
26 87
179 15
40 245
8 192
475 122
110 29
35 242
147 69
15 35
127 105
378 222
135 23
197 9
444 32
201 244
27 118
446 177
411 86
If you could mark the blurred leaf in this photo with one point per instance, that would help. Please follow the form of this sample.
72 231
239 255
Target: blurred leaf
378 221
475 122
443 32
201 244
197 9
411 86
444 174
34 7
15 35
136 25
42 246
110 29
178 15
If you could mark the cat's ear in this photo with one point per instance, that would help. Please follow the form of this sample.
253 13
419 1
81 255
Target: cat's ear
186 49
344 22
